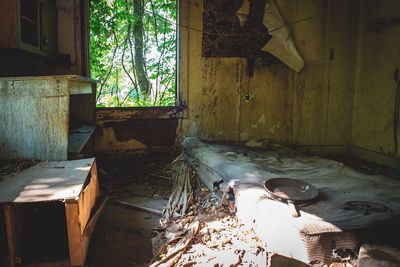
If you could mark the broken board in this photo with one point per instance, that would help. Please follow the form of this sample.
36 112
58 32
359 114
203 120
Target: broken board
78 138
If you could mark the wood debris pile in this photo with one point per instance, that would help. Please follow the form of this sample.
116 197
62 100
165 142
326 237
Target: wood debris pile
343 258
198 231
17 165
186 184
208 236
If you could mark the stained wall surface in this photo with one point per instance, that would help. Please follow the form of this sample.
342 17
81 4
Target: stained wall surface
375 89
311 108
342 101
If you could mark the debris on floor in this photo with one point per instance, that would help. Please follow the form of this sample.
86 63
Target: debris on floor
17 165
138 207
122 236
344 213
198 231
208 236
200 227
375 255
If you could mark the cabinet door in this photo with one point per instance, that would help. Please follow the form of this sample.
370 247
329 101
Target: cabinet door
48 26
29 22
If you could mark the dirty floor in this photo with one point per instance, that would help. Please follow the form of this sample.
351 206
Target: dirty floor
122 236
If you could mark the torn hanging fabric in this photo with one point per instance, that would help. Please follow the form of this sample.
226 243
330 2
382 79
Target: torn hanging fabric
281 45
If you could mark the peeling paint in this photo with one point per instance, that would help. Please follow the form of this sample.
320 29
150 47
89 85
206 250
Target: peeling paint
274 128
261 121
255 143
244 136
243 12
192 129
227 104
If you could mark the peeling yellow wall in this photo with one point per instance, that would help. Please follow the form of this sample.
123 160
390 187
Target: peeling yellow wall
311 108
378 58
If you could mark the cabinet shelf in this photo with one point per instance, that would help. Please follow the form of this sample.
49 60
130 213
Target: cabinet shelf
29 20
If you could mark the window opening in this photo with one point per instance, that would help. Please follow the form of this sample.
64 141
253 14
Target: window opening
133 52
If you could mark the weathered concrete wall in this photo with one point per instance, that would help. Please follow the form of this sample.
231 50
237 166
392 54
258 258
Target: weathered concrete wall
378 59
311 108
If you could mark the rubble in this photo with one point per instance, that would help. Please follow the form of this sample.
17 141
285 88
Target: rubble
208 236
198 230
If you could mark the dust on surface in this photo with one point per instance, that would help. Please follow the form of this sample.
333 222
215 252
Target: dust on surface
16 165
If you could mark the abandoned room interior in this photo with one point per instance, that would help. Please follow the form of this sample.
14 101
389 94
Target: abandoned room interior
199 133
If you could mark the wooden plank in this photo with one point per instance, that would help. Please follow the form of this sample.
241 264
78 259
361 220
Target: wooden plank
92 221
137 207
93 172
11 241
76 78
127 114
63 263
87 234
183 54
46 181
75 239
39 86
88 197
79 87
34 119
34 87
85 41
8 24
78 138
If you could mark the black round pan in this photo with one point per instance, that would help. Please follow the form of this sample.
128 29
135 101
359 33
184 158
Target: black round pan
291 191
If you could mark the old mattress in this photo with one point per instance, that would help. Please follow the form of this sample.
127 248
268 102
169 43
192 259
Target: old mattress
326 226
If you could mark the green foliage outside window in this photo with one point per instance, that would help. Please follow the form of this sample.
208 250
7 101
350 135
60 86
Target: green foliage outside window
133 52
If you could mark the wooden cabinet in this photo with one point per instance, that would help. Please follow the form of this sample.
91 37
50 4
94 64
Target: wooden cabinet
48 213
30 25
46 117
